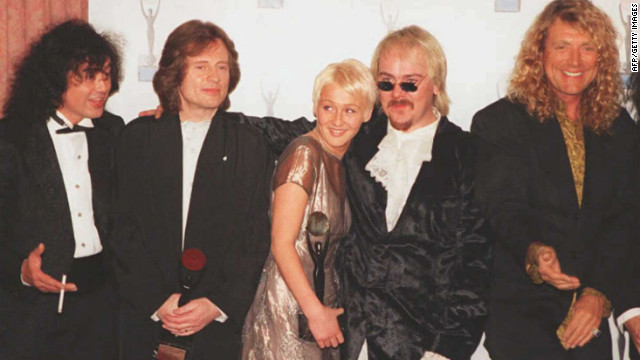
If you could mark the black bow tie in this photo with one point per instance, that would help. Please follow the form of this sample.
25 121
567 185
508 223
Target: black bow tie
66 129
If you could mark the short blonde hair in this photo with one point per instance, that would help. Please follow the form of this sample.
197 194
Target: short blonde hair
351 75
415 37
599 104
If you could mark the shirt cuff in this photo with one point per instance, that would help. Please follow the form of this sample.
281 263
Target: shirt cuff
631 313
222 318
531 262
24 282
155 316
606 310
428 355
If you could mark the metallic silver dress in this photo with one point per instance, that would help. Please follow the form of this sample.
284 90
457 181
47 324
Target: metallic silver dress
271 327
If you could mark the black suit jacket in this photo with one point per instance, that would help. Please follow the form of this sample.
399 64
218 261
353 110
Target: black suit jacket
34 209
228 220
422 286
526 187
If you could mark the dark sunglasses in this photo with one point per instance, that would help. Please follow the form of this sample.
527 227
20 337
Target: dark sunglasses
405 86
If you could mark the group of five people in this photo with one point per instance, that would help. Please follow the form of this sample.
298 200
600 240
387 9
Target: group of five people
523 229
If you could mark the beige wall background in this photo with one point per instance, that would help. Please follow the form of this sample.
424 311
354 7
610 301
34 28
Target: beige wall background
287 47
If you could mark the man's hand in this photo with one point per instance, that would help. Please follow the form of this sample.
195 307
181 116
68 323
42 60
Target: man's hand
32 274
324 327
587 315
550 271
155 113
168 307
633 326
190 318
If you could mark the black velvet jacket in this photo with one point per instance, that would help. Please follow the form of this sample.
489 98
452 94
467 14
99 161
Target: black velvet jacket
34 209
422 286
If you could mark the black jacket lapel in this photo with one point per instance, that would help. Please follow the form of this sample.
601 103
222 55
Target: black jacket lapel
165 167
597 177
42 162
100 165
213 173
41 159
368 197
436 178
555 161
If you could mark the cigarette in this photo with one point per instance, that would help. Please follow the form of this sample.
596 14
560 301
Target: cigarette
61 298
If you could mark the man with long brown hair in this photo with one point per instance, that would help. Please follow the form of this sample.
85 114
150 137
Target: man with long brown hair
555 178
195 178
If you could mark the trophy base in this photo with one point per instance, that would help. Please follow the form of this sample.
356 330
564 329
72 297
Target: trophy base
170 352
171 347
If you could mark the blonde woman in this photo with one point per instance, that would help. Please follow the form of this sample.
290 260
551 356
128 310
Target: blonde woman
309 178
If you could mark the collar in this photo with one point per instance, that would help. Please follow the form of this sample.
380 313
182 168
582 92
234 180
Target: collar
59 121
397 147
419 141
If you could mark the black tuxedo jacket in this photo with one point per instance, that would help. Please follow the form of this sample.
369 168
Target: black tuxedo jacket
421 286
526 187
228 221
34 209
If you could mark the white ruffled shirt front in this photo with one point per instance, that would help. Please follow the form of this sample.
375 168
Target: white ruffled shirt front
397 164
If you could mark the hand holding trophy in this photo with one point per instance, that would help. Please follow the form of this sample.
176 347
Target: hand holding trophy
317 228
172 347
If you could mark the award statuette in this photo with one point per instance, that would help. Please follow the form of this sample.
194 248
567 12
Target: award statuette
318 228
170 346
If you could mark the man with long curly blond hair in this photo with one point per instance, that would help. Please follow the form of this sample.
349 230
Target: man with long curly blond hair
554 176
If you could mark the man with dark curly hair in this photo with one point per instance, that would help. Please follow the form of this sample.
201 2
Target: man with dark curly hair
555 179
56 146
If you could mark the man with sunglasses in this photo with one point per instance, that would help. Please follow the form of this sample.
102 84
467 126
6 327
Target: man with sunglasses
415 266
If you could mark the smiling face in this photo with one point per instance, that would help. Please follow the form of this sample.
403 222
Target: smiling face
205 84
87 93
570 61
340 115
407 111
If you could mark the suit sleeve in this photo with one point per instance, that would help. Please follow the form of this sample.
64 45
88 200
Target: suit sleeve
466 304
10 258
279 133
502 176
